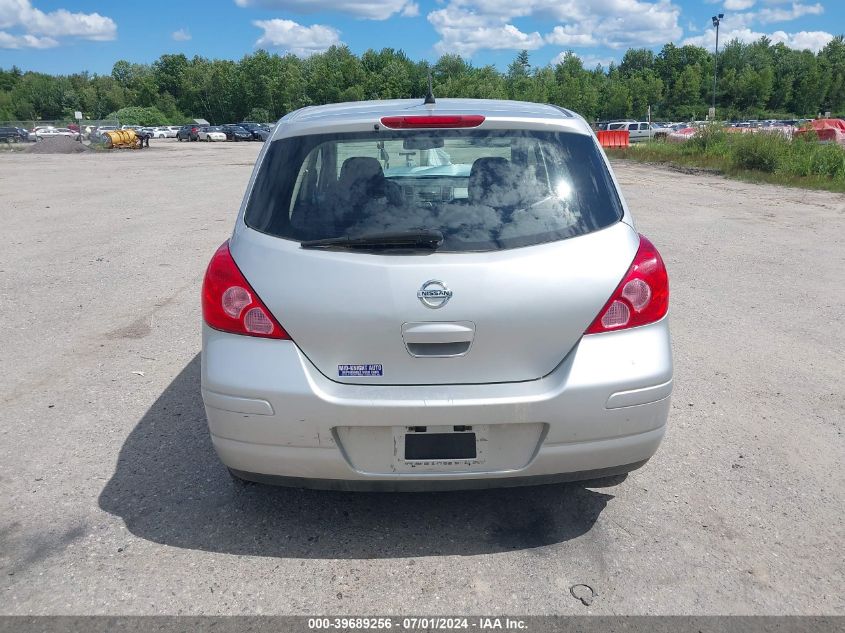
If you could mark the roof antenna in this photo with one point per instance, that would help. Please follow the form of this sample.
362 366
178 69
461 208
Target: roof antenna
429 97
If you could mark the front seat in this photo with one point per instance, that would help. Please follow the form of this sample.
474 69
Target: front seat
361 178
361 181
485 178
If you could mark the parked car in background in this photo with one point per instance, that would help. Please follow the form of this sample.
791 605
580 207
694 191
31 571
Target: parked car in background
160 132
56 131
12 135
171 130
605 125
361 332
211 133
639 130
188 132
34 132
258 131
236 132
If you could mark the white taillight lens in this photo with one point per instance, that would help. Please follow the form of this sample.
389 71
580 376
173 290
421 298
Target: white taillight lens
617 315
638 293
257 322
234 300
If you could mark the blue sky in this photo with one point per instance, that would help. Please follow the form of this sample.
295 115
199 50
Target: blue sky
64 36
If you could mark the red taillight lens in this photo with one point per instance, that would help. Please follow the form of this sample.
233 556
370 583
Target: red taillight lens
230 304
428 122
642 297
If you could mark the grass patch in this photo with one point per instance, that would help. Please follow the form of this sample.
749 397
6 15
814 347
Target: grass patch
12 147
760 157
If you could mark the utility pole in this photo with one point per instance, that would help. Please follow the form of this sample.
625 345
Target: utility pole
716 20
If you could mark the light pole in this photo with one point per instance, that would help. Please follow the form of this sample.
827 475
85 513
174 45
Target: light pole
716 20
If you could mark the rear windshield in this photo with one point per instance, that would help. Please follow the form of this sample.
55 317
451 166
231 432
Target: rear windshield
485 190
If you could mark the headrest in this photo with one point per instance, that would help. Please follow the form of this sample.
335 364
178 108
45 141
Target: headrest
360 168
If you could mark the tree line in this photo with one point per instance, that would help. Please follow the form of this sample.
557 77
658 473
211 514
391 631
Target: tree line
757 80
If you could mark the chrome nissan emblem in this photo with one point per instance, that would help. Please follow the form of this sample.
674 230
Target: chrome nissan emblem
434 294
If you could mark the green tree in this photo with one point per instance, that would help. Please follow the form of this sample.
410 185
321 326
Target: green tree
135 115
757 79
616 97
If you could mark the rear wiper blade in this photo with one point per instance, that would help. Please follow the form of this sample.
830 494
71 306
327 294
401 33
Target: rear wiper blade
424 238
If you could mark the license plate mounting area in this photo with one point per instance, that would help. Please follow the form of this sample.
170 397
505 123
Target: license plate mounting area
440 446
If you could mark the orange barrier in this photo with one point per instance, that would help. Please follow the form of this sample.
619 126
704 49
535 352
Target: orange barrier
613 138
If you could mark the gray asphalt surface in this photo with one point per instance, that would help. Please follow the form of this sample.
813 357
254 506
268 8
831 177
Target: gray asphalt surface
113 502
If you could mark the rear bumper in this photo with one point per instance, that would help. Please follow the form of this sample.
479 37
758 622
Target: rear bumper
273 417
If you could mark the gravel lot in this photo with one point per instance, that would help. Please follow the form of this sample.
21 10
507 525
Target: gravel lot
112 501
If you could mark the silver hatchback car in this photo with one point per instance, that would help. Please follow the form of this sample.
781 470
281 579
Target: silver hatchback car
423 296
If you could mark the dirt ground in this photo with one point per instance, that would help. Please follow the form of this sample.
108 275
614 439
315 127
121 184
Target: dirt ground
113 502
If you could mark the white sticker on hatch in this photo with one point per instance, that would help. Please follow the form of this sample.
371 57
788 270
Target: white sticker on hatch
360 370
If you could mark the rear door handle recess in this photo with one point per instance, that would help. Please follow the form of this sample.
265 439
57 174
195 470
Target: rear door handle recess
438 338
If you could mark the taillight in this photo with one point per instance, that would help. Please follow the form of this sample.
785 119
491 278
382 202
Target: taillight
230 304
642 297
428 122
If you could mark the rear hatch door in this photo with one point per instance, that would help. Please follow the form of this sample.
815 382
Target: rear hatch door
509 315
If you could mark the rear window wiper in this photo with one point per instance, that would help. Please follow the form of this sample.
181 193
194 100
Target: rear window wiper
424 238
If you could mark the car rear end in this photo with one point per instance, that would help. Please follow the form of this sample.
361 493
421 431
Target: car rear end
9 135
237 133
446 297
214 134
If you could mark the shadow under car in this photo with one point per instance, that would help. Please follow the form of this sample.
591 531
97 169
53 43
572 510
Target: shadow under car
169 487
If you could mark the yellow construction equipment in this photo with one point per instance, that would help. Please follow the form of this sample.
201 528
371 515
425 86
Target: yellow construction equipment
121 139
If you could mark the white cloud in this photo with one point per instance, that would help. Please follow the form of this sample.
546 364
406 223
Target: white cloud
295 38
366 9
41 29
471 25
738 5
182 35
767 15
803 40
464 32
812 40
411 10
570 35
7 40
